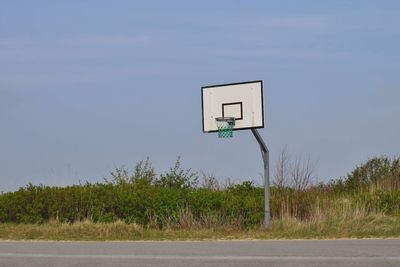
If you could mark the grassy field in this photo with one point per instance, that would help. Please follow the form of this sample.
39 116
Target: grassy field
371 226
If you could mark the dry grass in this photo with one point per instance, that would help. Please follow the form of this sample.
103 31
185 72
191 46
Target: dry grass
359 226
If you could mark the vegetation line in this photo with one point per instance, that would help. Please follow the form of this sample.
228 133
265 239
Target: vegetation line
181 205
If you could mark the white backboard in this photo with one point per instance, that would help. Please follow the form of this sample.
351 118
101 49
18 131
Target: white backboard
243 101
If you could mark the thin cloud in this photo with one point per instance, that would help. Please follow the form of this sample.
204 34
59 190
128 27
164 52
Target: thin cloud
67 48
83 39
106 40
304 23
249 23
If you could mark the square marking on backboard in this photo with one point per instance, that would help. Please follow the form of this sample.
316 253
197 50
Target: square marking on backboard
233 110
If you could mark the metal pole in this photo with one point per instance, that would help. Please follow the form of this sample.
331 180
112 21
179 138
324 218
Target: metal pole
265 156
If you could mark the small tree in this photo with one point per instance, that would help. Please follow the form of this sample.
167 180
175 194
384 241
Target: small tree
143 173
301 174
119 176
178 178
282 170
377 172
292 178
209 181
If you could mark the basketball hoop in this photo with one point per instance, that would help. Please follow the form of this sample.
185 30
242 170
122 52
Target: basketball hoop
223 105
225 126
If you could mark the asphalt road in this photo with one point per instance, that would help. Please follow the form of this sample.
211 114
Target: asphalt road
214 253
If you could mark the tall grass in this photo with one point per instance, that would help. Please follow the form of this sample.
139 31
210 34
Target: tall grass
377 225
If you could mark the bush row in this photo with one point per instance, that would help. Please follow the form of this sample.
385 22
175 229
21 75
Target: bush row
175 199
159 206
141 204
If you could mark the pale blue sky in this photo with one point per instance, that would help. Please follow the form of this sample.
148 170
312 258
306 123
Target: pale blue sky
87 86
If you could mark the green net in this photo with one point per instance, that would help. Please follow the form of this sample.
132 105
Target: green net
225 126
